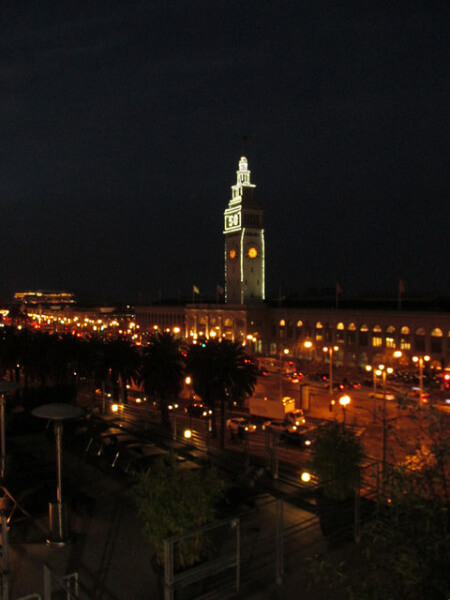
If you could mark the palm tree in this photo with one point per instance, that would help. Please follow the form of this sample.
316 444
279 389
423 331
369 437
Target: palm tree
162 371
122 361
222 373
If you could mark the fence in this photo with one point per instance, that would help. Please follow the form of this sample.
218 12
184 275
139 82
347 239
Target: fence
66 583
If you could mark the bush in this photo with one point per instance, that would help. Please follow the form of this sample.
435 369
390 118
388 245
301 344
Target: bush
174 501
337 455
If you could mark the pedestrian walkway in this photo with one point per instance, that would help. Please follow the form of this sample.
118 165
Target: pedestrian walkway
109 552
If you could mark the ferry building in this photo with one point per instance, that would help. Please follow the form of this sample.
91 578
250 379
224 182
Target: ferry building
363 336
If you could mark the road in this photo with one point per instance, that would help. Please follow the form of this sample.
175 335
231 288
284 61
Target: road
402 435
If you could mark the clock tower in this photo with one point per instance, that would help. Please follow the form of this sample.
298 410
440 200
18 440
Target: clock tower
244 242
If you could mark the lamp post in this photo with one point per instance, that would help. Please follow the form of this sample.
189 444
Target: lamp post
58 413
330 350
188 382
308 345
421 360
344 401
384 373
284 351
370 369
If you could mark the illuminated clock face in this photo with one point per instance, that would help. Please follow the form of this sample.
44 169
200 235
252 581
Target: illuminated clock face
232 254
252 252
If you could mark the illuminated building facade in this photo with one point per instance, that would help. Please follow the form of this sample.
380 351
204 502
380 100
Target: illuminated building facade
364 336
244 242
44 298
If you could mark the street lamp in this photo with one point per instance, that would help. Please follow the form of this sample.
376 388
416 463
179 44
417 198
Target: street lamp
384 372
421 360
330 350
284 351
58 413
369 369
308 345
344 401
188 382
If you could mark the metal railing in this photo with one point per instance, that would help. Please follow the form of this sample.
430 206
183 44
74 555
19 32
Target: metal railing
68 583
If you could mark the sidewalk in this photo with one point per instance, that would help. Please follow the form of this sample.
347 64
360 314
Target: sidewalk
108 548
109 552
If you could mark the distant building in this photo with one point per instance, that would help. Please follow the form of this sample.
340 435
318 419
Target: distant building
44 298
364 335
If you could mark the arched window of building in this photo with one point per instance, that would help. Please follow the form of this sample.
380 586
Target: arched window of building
377 338
419 340
351 334
282 328
340 332
319 332
299 328
405 340
363 335
390 337
436 341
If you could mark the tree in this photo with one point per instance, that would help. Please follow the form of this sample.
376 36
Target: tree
337 455
222 373
408 536
121 359
162 371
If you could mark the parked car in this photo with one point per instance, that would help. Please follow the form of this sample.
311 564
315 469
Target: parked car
238 426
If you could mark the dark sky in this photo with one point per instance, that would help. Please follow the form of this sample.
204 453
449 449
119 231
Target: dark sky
121 129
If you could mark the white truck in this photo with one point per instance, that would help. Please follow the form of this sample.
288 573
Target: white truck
280 410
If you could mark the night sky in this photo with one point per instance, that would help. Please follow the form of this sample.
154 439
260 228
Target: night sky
122 127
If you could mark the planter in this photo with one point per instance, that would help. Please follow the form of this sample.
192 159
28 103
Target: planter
336 517
188 592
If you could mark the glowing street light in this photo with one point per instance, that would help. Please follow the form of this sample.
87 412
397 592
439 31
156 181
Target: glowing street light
421 360
284 351
344 401
188 382
384 372
306 477
330 350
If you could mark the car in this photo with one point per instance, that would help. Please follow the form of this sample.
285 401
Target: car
299 436
239 426
297 377
198 410
383 396
275 426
